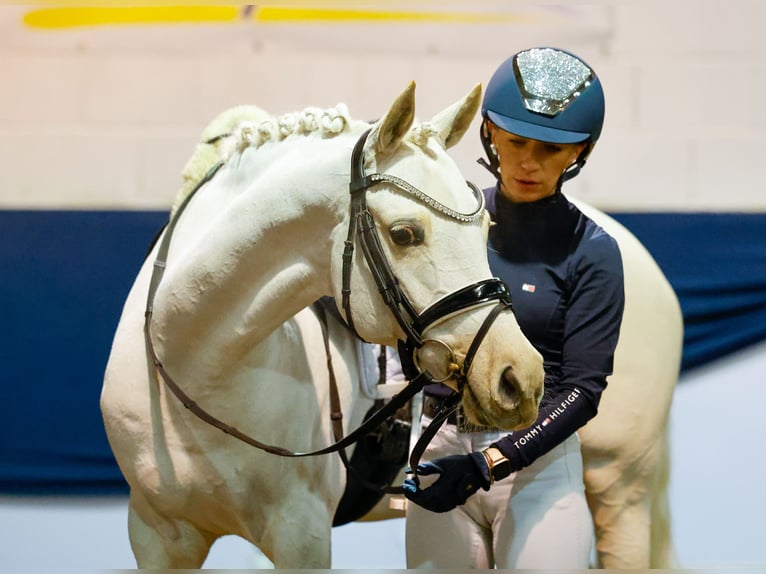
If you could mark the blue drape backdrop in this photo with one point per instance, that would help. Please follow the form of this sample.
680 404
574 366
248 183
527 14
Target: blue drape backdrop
65 274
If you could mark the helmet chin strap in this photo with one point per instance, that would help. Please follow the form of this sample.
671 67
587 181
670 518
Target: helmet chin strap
569 173
574 169
493 166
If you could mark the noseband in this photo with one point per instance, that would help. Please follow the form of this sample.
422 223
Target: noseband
414 324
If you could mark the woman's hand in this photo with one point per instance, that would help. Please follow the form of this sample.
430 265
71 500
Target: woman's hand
461 475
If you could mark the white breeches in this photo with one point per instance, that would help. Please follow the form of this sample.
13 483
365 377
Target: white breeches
535 518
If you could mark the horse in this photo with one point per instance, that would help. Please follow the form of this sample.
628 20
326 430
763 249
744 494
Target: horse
626 450
217 348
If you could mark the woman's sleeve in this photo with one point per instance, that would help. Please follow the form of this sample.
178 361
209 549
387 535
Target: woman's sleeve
591 329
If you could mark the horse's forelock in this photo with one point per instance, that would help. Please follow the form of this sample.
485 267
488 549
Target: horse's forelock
420 134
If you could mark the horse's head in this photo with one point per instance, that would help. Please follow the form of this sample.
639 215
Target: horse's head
419 270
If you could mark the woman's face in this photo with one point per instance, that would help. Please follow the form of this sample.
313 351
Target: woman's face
530 169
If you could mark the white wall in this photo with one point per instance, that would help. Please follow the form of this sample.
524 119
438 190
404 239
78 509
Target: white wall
107 116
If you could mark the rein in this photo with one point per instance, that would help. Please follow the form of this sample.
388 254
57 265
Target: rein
361 226
336 415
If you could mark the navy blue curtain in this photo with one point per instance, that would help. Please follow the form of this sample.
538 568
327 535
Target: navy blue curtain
716 263
64 276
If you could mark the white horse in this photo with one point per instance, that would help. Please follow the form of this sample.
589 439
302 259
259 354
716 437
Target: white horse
625 447
254 245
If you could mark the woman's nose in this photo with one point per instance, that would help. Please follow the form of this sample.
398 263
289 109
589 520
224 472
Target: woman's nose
529 160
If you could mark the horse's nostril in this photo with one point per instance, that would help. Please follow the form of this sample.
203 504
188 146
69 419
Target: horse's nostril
509 386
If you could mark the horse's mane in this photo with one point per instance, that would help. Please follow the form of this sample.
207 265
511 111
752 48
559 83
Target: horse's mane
241 127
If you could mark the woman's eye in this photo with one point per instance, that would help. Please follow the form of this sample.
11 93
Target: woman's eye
406 234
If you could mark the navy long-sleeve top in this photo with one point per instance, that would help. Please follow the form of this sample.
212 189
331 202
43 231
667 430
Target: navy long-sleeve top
565 277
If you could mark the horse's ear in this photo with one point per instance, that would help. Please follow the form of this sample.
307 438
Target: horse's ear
392 128
451 123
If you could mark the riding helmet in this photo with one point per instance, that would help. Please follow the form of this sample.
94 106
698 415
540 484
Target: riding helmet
545 94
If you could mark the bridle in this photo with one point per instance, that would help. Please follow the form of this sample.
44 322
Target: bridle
414 324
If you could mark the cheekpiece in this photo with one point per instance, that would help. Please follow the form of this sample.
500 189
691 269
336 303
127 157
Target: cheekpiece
549 80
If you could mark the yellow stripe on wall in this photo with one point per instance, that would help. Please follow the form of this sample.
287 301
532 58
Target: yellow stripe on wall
289 14
57 18
62 18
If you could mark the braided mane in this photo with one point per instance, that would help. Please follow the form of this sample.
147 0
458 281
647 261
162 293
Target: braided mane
242 127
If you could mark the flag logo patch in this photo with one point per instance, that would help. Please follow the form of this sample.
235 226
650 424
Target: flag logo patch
528 287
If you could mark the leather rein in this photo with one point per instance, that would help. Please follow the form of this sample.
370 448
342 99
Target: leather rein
361 228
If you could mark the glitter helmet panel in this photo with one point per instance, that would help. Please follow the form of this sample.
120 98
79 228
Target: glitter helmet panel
549 80
546 94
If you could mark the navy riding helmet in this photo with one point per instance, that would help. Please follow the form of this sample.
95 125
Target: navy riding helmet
545 94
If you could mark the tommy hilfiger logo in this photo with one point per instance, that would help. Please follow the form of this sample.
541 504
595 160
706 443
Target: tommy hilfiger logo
528 287
535 430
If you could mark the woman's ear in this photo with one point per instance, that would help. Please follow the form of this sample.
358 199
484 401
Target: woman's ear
579 148
489 128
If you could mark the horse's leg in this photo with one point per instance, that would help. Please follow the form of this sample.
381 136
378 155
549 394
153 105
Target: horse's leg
621 529
298 535
622 495
663 553
160 542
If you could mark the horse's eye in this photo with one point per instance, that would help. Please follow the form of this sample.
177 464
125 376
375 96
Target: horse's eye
406 233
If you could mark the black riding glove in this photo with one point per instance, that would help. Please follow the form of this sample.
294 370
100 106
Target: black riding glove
461 475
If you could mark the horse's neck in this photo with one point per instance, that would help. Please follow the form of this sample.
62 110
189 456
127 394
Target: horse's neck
235 273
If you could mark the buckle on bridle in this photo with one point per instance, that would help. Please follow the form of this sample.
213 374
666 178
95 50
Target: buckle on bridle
453 368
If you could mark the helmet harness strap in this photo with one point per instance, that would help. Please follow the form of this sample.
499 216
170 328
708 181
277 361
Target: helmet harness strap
493 165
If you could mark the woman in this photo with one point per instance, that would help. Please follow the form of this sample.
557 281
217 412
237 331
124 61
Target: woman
542 114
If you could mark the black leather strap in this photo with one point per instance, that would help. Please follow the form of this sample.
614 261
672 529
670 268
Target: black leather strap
469 296
397 401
